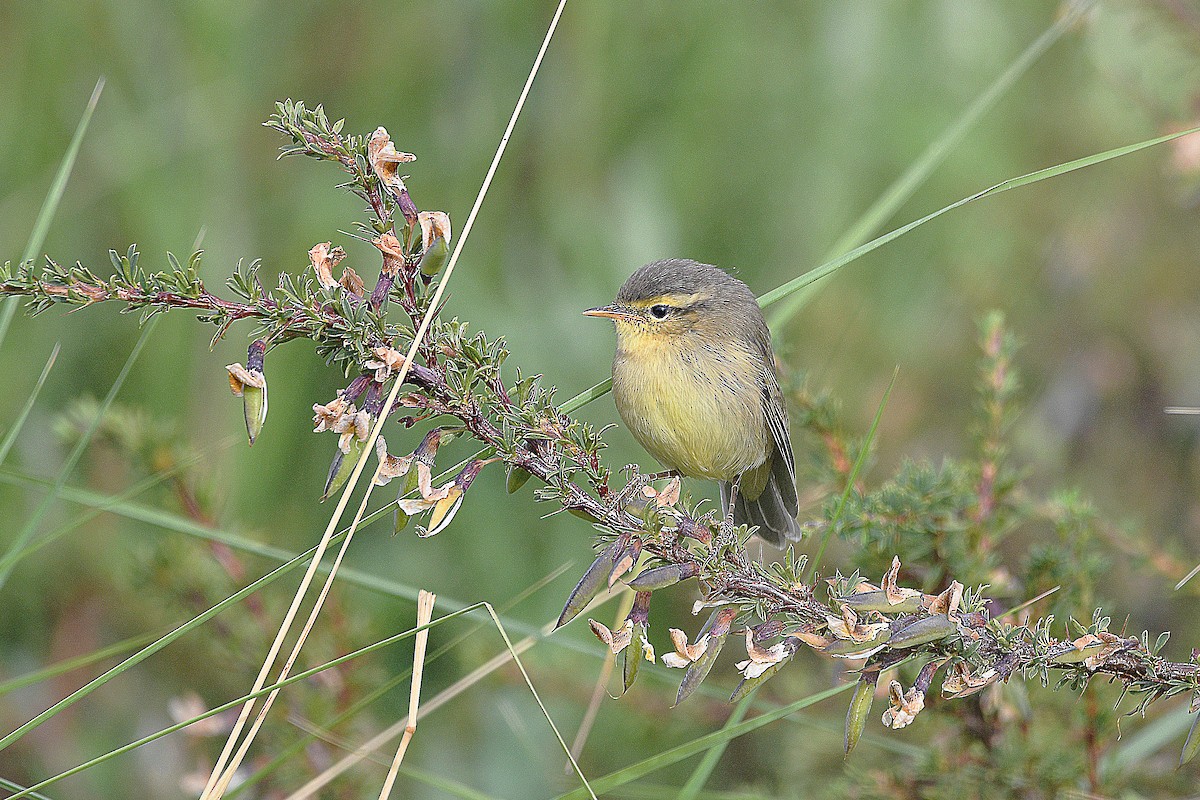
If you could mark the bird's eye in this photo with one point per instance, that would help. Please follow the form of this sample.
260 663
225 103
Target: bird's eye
659 311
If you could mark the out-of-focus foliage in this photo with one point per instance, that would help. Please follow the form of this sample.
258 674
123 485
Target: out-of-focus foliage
747 135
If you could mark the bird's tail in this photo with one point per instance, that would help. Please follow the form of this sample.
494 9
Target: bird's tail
773 510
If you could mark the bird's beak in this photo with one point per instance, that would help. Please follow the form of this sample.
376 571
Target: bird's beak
613 311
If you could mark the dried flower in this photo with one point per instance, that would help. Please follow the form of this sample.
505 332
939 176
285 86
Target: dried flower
250 384
947 602
848 627
667 496
684 653
386 160
904 706
761 659
325 417
961 682
896 594
386 362
324 258
352 283
616 640
390 466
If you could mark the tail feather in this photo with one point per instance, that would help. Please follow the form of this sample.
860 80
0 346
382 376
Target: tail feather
773 511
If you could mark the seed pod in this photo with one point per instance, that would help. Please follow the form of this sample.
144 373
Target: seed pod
1192 745
698 670
633 656
923 631
878 601
748 685
342 466
516 479
592 582
848 648
661 577
859 712
435 257
399 520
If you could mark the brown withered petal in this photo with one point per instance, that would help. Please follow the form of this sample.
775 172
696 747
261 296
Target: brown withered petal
433 225
667 496
896 594
761 658
352 283
385 362
904 706
616 640
324 257
1113 644
325 417
813 639
240 378
684 653
948 601
626 561
848 626
961 682
386 160
390 466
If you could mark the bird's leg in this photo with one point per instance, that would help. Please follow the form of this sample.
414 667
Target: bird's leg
727 523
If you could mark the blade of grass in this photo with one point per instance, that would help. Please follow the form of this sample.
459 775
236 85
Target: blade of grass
72 664
10 438
704 770
41 224
13 554
219 780
299 746
828 268
916 174
157 645
853 476
107 504
698 745
303 675
424 613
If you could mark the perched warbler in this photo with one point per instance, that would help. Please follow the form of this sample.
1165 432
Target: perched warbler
694 380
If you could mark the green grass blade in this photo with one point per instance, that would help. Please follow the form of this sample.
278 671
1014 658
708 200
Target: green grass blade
41 225
17 545
5 783
305 674
828 268
159 644
704 770
586 396
853 476
916 174
699 745
10 438
71 664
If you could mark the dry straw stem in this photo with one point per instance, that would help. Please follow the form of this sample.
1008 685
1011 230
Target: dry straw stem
218 782
425 602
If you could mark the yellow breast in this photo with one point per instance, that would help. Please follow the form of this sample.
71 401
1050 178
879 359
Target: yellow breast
694 405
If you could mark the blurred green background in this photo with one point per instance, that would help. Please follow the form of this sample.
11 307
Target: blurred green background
749 135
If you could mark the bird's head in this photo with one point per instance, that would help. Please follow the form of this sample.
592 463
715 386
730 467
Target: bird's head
676 296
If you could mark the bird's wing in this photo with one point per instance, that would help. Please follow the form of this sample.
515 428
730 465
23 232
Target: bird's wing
775 412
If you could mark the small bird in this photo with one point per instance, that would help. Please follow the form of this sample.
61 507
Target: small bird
694 380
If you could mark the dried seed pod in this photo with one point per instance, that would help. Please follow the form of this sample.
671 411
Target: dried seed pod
649 580
592 582
923 631
859 712
848 648
878 601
